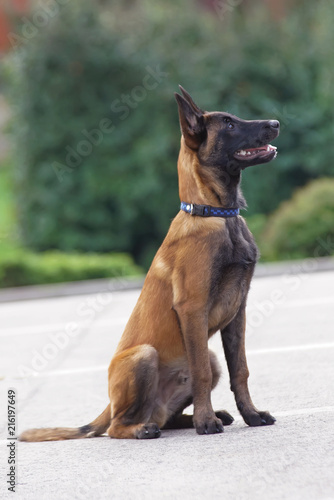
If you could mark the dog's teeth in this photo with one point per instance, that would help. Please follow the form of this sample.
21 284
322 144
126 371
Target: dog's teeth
242 152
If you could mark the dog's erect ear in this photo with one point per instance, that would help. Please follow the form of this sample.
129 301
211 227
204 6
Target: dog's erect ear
191 120
188 98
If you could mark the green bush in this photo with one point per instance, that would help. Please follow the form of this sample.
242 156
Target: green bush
20 268
8 222
256 224
240 60
303 226
84 183
122 195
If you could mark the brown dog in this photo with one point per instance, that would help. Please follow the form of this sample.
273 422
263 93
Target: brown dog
197 284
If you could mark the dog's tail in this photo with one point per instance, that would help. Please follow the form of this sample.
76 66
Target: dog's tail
95 428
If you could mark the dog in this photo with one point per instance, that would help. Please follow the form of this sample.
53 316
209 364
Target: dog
197 284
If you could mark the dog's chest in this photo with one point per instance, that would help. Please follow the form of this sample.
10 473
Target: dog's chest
232 270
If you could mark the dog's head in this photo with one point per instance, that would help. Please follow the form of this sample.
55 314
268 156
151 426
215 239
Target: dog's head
225 141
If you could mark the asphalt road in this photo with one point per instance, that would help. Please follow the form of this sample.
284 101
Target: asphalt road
55 352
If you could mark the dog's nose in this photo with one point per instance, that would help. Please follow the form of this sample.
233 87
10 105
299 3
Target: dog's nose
274 123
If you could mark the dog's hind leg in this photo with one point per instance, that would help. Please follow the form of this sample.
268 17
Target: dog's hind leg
184 421
181 420
133 384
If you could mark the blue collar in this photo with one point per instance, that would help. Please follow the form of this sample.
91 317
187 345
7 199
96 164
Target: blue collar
208 211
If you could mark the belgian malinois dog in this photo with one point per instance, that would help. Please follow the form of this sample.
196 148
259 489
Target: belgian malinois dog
197 284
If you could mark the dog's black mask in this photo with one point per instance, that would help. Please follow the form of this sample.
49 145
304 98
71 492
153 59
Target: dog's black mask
234 143
225 141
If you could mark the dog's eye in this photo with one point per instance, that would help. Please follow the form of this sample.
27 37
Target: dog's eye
229 123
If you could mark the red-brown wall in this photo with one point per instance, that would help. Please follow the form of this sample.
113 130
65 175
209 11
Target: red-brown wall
9 8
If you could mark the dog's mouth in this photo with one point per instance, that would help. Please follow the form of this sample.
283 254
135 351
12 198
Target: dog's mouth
267 152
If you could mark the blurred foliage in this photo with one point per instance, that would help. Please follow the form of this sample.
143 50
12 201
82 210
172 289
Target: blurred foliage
122 195
114 198
303 226
256 224
8 228
20 267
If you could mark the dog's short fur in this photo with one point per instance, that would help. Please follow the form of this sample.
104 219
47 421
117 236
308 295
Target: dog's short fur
197 284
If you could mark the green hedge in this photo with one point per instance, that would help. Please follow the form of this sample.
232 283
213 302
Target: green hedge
303 226
87 66
91 171
20 268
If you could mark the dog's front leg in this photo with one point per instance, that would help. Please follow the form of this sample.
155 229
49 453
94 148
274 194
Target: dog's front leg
194 327
233 337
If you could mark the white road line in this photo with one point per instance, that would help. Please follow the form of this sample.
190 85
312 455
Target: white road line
300 411
70 371
51 328
312 301
92 369
291 348
57 373
60 327
305 411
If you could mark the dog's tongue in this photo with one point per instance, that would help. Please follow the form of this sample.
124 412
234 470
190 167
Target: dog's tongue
248 152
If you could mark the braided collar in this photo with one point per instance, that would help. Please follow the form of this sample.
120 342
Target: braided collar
208 211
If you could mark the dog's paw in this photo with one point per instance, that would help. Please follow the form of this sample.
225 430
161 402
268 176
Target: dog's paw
211 425
148 431
225 417
259 418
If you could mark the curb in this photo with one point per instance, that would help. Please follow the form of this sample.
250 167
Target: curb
70 288
304 266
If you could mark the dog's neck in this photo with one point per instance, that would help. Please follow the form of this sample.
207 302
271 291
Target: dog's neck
206 186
